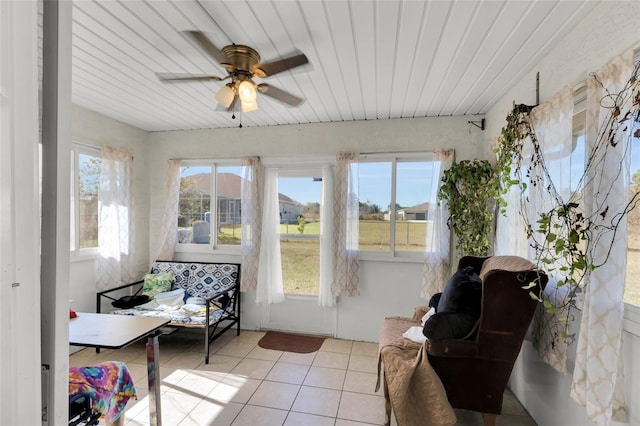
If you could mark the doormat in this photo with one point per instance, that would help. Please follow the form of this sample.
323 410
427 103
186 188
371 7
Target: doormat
278 341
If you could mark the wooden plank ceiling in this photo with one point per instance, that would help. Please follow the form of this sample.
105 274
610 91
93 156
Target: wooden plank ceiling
368 59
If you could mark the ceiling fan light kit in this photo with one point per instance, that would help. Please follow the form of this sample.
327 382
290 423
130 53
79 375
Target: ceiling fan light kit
242 64
226 95
247 91
249 106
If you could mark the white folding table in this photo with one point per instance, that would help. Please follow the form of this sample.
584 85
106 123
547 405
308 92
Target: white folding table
117 331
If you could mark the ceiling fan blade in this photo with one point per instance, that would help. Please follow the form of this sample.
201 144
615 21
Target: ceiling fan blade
279 94
167 77
271 68
199 38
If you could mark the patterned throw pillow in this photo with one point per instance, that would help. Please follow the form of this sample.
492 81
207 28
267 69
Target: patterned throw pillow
157 283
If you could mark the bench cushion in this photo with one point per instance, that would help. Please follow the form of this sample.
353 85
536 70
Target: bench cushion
199 279
179 316
207 280
180 272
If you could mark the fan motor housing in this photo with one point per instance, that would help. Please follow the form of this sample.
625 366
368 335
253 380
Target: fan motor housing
241 58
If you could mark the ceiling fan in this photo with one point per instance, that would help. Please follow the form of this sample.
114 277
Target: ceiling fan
242 64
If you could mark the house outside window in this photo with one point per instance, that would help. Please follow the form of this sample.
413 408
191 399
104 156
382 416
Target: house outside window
85 180
201 223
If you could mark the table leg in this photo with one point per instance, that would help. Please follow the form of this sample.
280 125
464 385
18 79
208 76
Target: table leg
153 374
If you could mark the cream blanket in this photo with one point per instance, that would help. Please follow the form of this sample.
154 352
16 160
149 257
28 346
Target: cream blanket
413 388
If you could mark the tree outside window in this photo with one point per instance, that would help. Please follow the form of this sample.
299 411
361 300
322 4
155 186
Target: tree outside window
86 163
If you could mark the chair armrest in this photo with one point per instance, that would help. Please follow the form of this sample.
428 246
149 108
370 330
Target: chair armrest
419 312
452 348
107 293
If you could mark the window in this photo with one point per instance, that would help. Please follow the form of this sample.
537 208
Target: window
300 195
396 193
578 158
85 180
632 283
201 182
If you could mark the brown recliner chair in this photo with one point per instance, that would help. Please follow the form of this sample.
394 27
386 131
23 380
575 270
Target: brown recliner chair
475 372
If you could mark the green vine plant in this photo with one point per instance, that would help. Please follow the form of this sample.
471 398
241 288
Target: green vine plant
471 189
564 237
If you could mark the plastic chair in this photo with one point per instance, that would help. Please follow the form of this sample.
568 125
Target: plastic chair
80 412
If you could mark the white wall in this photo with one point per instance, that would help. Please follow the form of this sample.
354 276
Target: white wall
20 339
387 288
91 128
611 28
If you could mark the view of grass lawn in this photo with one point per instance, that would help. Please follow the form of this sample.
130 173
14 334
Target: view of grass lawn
230 234
300 266
301 258
375 235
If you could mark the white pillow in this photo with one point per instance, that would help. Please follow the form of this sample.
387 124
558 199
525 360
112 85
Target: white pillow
173 299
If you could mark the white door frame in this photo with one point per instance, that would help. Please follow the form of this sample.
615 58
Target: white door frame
299 313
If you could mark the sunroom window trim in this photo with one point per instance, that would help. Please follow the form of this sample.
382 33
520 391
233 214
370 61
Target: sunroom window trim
78 148
213 245
394 158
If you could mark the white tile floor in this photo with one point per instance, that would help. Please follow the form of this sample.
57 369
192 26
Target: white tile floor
244 384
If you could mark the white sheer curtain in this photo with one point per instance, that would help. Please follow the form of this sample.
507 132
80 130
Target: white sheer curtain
552 122
597 378
169 229
510 237
346 265
436 267
270 285
251 212
115 219
327 243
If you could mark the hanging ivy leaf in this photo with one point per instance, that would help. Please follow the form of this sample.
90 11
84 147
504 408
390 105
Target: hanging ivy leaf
471 191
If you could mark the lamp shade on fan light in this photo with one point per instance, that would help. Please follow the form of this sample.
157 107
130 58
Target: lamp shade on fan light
225 95
248 95
247 91
249 106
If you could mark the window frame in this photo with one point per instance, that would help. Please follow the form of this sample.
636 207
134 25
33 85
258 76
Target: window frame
394 158
295 171
77 253
213 245
631 318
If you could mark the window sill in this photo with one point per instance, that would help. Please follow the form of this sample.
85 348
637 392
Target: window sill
631 321
207 249
387 257
302 297
83 255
